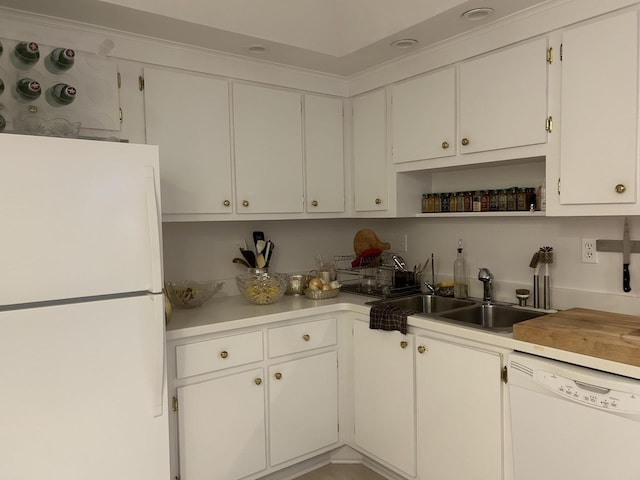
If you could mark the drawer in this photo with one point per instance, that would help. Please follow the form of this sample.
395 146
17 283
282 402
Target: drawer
218 353
301 337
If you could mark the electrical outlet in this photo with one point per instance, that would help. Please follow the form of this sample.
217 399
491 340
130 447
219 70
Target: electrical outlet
402 243
589 252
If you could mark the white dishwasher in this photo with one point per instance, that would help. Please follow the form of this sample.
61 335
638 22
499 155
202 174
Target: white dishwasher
571 422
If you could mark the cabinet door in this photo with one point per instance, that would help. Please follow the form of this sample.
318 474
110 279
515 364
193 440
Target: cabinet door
503 98
324 148
459 401
370 152
599 113
188 117
423 117
384 402
268 149
221 427
303 406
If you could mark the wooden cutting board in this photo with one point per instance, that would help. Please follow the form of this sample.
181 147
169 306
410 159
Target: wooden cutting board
607 335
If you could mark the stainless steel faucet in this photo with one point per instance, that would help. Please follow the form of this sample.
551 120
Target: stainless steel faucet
486 277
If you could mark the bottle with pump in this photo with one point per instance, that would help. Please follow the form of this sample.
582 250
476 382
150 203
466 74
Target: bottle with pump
460 274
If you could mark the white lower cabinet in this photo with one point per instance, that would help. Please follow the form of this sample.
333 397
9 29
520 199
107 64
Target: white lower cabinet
384 401
459 394
222 427
303 406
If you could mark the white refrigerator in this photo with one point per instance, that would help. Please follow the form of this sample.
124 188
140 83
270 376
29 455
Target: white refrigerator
82 367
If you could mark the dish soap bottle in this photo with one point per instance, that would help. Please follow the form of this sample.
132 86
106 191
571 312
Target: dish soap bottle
460 274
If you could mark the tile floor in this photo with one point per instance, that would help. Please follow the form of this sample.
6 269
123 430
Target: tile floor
342 472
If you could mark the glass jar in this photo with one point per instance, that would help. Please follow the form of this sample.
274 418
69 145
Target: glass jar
460 202
424 203
493 200
445 199
468 202
530 194
431 203
502 200
484 201
477 201
511 199
521 200
437 203
453 201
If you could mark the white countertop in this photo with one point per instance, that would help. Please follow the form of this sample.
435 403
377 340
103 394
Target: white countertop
221 314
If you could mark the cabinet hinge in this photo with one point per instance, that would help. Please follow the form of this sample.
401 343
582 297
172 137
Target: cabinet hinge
141 83
119 77
177 477
561 50
550 55
174 404
504 375
558 186
120 114
549 124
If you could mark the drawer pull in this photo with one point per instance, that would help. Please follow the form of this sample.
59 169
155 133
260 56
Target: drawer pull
278 376
226 203
258 381
465 141
245 203
620 188
445 145
314 203
422 349
306 337
224 354
378 201
403 344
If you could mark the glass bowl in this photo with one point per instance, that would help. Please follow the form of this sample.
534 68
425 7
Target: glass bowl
191 293
261 287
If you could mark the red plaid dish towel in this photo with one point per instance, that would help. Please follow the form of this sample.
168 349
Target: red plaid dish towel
389 317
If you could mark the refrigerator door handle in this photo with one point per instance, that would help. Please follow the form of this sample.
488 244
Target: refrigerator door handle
158 372
154 230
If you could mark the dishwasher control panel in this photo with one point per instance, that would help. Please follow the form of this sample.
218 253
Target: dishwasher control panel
593 395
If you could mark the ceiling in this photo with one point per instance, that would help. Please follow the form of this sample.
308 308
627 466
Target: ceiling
341 37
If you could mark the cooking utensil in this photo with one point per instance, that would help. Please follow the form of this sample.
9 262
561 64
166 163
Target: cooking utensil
268 251
257 236
241 262
626 257
536 279
250 257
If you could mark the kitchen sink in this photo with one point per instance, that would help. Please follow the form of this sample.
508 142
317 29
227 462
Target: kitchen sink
425 303
493 317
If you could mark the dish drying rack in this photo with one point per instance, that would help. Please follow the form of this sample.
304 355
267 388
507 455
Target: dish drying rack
376 276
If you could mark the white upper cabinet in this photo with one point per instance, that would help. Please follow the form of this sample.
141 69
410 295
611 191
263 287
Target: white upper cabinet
503 98
324 149
268 149
597 159
370 178
187 115
423 117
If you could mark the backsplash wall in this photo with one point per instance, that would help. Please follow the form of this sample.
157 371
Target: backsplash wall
505 245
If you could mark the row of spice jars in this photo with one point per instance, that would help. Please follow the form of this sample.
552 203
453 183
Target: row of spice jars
502 200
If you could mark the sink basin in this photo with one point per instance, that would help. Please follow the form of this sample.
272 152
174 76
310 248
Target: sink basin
426 303
493 317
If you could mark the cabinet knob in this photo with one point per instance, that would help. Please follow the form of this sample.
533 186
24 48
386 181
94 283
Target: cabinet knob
378 201
445 145
258 381
314 203
422 349
620 188
306 337
403 344
245 203
224 354
226 203
465 141
278 376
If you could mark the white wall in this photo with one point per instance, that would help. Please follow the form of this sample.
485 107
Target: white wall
504 245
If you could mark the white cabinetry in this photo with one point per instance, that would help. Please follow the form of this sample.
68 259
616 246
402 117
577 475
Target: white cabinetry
596 161
384 401
187 115
233 421
503 98
324 154
222 427
459 402
370 176
423 117
268 149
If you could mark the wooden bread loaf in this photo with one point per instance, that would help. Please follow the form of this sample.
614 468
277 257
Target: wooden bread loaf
366 239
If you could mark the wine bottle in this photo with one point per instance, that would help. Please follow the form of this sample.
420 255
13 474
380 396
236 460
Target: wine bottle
27 53
28 89
61 94
60 60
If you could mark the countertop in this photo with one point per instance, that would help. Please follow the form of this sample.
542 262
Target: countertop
222 314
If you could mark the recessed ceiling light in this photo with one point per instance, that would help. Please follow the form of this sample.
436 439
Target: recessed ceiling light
477 14
404 43
257 49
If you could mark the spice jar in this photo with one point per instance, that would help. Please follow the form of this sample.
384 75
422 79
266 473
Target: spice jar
493 200
477 201
468 202
521 200
502 200
437 203
511 199
460 202
530 194
484 201
444 202
453 202
424 203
